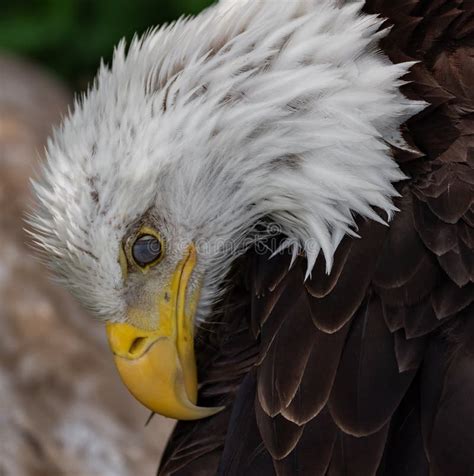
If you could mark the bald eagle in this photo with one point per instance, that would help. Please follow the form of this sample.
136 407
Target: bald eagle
270 206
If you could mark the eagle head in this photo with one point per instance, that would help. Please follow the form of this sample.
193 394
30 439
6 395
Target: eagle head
195 139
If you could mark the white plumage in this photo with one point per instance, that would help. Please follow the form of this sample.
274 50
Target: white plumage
252 111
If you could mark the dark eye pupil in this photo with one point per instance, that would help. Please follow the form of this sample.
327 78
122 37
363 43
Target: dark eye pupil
146 249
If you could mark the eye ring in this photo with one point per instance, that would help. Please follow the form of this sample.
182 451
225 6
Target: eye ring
146 249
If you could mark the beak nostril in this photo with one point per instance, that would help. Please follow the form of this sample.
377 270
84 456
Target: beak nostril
137 345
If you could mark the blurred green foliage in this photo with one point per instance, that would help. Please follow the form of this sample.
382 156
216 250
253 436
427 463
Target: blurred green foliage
70 36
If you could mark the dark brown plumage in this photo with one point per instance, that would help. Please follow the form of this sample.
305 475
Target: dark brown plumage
369 370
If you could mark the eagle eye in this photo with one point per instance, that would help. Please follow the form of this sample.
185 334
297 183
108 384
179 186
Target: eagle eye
146 250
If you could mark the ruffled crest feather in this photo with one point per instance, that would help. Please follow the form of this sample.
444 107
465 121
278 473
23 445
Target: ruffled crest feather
251 111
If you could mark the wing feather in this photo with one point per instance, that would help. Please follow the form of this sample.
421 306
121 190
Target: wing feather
368 386
358 456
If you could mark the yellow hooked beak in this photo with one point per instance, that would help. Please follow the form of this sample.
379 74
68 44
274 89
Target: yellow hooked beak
158 367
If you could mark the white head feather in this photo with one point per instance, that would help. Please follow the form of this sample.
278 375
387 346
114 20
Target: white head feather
251 111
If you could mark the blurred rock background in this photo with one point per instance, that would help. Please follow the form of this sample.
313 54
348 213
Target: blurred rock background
63 410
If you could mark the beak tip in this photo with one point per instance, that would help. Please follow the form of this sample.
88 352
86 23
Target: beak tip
209 411
185 410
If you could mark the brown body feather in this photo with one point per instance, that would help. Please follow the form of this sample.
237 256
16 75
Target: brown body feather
369 370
